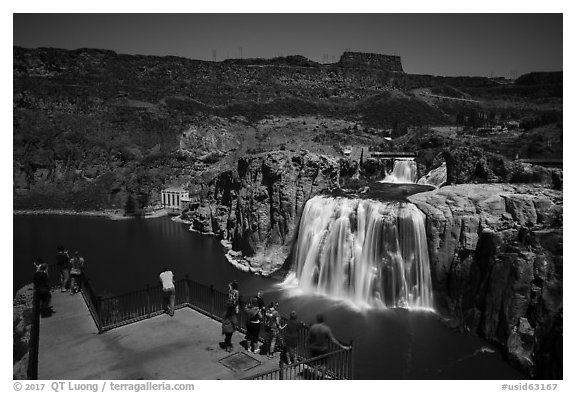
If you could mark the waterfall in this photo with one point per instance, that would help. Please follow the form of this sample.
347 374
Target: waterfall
404 171
371 253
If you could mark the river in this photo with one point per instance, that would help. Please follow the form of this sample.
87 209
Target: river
126 255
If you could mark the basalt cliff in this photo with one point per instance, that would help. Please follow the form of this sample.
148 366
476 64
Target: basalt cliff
255 207
495 248
253 139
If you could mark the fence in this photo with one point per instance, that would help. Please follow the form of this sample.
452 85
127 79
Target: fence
333 365
111 312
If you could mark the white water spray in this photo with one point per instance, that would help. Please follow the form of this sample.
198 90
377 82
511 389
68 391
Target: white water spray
404 171
371 253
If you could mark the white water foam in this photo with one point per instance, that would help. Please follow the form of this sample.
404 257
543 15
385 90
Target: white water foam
369 253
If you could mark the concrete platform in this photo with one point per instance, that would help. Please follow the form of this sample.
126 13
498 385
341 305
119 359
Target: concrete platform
181 347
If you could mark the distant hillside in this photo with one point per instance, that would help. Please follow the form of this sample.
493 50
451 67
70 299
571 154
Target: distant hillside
93 127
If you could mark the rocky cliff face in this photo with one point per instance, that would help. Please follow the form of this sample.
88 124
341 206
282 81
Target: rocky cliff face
256 206
21 324
475 165
371 60
496 258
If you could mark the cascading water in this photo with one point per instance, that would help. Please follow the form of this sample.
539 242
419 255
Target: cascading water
371 253
404 171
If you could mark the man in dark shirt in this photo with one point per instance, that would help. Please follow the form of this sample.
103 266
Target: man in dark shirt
319 337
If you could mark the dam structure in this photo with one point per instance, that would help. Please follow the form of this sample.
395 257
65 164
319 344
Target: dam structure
371 253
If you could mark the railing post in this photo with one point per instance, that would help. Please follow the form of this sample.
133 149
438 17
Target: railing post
98 309
148 305
351 362
211 299
187 289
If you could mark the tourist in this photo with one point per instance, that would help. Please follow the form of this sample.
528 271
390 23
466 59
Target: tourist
319 338
234 296
253 323
260 300
229 325
291 331
169 290
42 288
63 263
76 267
272 327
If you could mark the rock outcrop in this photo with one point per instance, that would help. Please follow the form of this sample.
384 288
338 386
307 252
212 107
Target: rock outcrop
21 324
371 60
496 260
256 207
475 165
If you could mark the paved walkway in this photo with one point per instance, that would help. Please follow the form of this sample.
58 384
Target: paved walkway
181 347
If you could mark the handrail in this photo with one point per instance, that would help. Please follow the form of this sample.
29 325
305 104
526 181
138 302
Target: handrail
119 310
333 365
92 301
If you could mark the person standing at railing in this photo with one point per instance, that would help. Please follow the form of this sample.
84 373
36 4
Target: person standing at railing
234 296
253 323
291 330
229 325
272 327
169 290
76 268
42 288
261 303
319 338
63 263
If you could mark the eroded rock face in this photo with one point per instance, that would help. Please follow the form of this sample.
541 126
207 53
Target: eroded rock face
474 165
496 259
257 206
22 322
208 143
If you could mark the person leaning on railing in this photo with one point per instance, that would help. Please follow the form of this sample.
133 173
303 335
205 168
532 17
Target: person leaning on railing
319 338
169 290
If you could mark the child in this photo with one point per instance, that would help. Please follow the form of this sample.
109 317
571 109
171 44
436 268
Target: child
229 323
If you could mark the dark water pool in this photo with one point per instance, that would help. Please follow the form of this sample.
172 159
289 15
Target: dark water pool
122 256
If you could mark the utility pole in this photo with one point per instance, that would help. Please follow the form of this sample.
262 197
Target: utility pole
240 51
214 55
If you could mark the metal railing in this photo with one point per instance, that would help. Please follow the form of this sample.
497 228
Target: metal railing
334 365
115 311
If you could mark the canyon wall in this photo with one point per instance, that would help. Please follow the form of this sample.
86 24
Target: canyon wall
495 249
496 259
255 207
